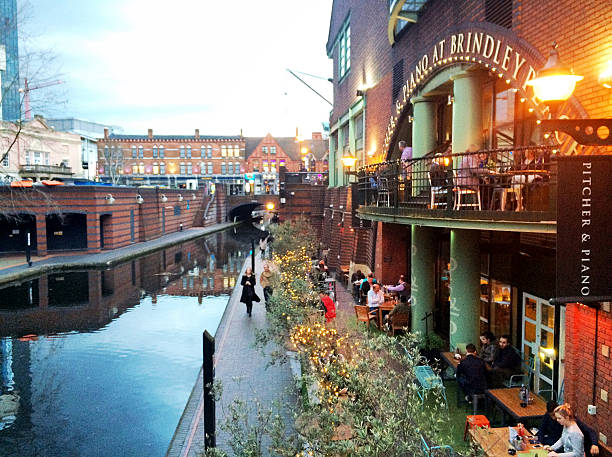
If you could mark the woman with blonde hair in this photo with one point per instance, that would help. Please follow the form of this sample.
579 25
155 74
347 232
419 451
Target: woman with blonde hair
572 439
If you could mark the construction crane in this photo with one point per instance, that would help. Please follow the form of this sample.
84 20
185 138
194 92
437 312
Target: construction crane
26 94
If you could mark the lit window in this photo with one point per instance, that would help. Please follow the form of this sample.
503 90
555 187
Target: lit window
236 151
265 165
223 151
273 165
141 169
282 162
134 169
344 51
155 168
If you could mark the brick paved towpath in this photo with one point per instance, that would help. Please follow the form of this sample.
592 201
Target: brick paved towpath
242 370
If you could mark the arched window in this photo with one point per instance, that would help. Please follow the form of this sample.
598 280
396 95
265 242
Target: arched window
140 152
182 152
210 168
182 168
209 149
222 168
134 168
230 168
161 152
224 151
141 168
202 151
189 169
237 168
155 168
162 168
155 152
134 152
188 152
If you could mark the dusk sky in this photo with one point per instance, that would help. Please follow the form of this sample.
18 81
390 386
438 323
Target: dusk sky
176 66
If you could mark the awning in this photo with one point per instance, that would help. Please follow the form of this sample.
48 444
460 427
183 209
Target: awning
48 182
24 183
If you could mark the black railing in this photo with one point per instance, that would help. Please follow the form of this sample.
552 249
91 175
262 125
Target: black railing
520 179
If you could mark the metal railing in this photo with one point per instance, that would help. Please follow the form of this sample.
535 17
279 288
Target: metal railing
45 169
519 179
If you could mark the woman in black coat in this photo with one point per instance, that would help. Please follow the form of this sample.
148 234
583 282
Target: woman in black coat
248 290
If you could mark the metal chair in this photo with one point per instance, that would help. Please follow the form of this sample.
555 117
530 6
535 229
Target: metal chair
462 191
432 451
384 194
436 191
523 379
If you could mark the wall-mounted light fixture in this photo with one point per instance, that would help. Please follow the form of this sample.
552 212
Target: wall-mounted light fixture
110 199
163 198
180 198
139 199
360 93
450 100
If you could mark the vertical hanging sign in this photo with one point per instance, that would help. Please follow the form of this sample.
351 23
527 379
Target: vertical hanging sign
584 214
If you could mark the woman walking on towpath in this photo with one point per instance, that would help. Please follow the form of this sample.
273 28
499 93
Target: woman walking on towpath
248 290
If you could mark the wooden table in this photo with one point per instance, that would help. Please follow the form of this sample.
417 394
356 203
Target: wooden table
495 443
508 401
451 361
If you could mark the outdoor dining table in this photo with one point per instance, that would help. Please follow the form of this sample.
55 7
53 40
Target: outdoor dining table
509 402
387 306
495 442
451 361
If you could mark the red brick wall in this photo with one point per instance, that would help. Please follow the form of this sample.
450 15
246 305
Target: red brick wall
580 365
392 244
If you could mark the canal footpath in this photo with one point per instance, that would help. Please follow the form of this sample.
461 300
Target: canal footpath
243 371
15 268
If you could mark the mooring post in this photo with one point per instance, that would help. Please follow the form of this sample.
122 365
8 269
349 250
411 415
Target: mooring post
208 378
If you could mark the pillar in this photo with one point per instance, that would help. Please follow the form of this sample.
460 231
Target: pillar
423 258
391 252
467 110
41 234
332 161
423 138
464 287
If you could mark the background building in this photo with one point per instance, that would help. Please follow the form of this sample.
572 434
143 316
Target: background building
10 74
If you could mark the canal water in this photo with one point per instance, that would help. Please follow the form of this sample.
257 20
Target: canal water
101 363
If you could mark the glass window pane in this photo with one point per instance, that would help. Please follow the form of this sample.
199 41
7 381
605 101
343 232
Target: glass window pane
548 316
531 308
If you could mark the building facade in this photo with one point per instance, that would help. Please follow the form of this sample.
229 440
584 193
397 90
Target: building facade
9 72
451 79
184 161
36 151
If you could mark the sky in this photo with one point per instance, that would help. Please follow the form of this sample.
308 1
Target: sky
174 66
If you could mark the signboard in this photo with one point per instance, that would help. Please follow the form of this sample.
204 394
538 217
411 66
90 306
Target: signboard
584 212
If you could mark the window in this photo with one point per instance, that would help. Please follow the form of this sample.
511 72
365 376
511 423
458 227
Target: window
209 149
161 152
223 151
140 152
273 165
237 168
189 169
345 136
344 51
230 168
182 152
255 165
272 149
182 168
155 168
359 132
236 150
210 168
264 149
202 151
134 169
5 161
162 168
282 163
134 152
264 165
141 168
189 152
222 168
155 152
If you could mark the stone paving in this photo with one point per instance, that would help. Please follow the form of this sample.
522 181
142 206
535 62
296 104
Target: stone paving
14 268
242 370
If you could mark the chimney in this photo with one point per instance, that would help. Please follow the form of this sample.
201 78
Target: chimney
106 133
317 136
150 134
197 134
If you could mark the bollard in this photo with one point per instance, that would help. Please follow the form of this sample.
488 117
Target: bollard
208 378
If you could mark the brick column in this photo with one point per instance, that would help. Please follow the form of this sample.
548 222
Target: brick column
93 232
392 247
41 235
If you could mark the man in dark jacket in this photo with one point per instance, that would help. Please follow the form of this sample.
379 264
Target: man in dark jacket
472 372
506 363
550 430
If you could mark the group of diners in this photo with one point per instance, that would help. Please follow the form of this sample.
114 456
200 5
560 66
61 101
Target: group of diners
368 292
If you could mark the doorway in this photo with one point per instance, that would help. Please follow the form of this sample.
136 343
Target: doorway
538 339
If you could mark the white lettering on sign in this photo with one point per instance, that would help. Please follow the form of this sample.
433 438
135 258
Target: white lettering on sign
585 236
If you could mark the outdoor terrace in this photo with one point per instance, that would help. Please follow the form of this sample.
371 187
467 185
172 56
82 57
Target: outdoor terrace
498 189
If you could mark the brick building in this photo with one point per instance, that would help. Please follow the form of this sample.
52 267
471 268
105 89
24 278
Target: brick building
266 155
184 161
481 256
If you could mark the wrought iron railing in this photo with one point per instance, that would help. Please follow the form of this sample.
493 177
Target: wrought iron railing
45 169
518 179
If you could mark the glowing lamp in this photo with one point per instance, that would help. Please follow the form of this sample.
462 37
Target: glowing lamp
348 160
555 82
304 150
605 78
270 206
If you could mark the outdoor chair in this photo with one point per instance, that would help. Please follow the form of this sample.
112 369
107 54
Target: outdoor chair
436 192
524 378
399 322
433 451
462 191
363 314
384 194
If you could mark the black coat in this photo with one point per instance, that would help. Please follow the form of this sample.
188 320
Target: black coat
472 374
507 358
248 291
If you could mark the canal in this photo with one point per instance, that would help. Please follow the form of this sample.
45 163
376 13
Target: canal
102 362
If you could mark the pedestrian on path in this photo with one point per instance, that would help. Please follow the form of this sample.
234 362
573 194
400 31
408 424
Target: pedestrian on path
248 290
263 246
329 306
265 280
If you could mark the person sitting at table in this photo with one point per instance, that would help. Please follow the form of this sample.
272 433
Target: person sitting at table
375 297
356 279
472 373
590 438
402 289
506 363
488 347
572 439
519 180
550 430
402 307
365 287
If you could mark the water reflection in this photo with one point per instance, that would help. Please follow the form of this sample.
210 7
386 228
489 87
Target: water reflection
102 362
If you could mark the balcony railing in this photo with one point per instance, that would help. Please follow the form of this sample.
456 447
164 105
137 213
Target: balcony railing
518 183
45 169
